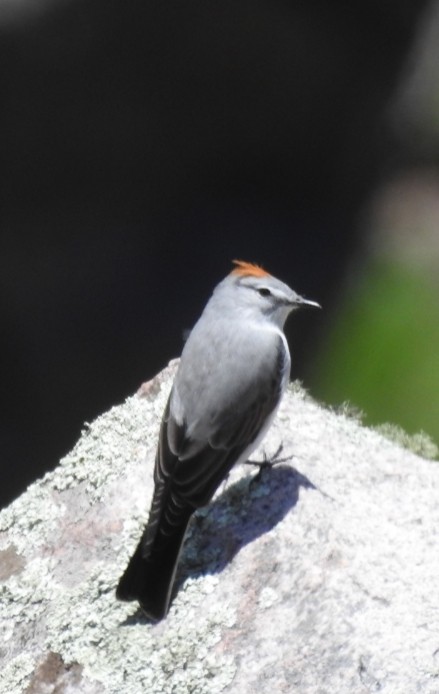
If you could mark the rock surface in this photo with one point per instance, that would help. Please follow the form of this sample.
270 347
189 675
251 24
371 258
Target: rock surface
319 577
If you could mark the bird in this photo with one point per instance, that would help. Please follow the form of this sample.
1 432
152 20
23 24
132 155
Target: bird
233 371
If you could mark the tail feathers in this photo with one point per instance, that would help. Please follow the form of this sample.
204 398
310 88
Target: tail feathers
149 577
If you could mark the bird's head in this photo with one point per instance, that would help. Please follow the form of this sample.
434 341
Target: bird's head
252 291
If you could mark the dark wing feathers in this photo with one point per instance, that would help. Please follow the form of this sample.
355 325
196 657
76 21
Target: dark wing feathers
193 480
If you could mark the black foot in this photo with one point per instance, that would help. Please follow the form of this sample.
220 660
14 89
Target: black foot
275 459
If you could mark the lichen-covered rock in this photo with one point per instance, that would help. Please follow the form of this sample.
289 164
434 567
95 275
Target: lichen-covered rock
319 576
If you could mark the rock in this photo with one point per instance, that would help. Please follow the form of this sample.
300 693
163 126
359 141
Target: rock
319 576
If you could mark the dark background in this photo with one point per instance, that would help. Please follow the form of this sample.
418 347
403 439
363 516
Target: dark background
143 145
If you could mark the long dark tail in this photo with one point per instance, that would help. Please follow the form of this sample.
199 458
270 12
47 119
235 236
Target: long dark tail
149 576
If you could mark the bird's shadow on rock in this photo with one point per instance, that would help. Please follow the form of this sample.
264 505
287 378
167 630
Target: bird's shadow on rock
243 512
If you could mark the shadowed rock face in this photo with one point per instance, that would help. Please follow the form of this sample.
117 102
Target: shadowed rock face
319 574
146 145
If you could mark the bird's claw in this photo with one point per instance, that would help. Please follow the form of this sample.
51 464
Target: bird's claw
269 462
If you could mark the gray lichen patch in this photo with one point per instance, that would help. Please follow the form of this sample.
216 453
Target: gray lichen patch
128 654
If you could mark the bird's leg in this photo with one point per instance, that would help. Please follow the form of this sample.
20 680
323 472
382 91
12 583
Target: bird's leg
272 460
269 462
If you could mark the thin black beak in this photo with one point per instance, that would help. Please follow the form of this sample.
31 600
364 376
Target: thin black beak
307 302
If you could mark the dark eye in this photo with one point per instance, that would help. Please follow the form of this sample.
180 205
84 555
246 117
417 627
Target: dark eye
263 291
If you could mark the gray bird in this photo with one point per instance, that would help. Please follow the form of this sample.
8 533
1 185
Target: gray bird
233 372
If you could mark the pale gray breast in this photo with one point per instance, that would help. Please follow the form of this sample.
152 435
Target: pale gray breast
225 372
